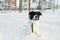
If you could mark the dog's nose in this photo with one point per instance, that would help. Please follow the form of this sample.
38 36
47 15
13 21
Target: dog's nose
35 16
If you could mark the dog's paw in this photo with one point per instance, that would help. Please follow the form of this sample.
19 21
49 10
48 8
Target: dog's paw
29 33
37 34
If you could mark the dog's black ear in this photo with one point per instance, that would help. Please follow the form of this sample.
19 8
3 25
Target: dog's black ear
39 13
30 13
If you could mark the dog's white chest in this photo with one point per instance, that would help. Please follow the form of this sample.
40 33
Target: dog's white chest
36 26
35 23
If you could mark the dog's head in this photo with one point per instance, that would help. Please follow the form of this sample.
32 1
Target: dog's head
34 15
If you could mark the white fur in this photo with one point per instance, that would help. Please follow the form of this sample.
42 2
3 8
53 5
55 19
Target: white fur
35 27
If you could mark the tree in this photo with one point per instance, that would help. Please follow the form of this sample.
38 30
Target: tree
14 3
20 5
54 5
9 4
39 6
29 6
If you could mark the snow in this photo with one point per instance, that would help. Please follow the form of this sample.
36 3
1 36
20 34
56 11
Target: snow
14 25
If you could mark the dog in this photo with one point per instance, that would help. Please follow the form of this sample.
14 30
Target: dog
34 22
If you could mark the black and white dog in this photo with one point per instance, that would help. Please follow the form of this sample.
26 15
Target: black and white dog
34 22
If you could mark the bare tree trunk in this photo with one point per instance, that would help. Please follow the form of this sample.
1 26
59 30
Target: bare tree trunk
15 4
9 4
29 6
50 3
57 4
5 6
20 5
54 6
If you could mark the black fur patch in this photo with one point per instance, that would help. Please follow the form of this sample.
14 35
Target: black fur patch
32 13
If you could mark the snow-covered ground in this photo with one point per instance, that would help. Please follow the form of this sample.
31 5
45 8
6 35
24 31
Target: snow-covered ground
14 25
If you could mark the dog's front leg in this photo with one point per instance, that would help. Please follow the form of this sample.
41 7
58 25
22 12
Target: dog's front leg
36 28
29 27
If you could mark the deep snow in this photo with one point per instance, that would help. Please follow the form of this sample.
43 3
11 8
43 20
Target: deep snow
14 25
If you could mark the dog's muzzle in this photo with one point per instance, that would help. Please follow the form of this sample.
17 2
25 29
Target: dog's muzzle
35 19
